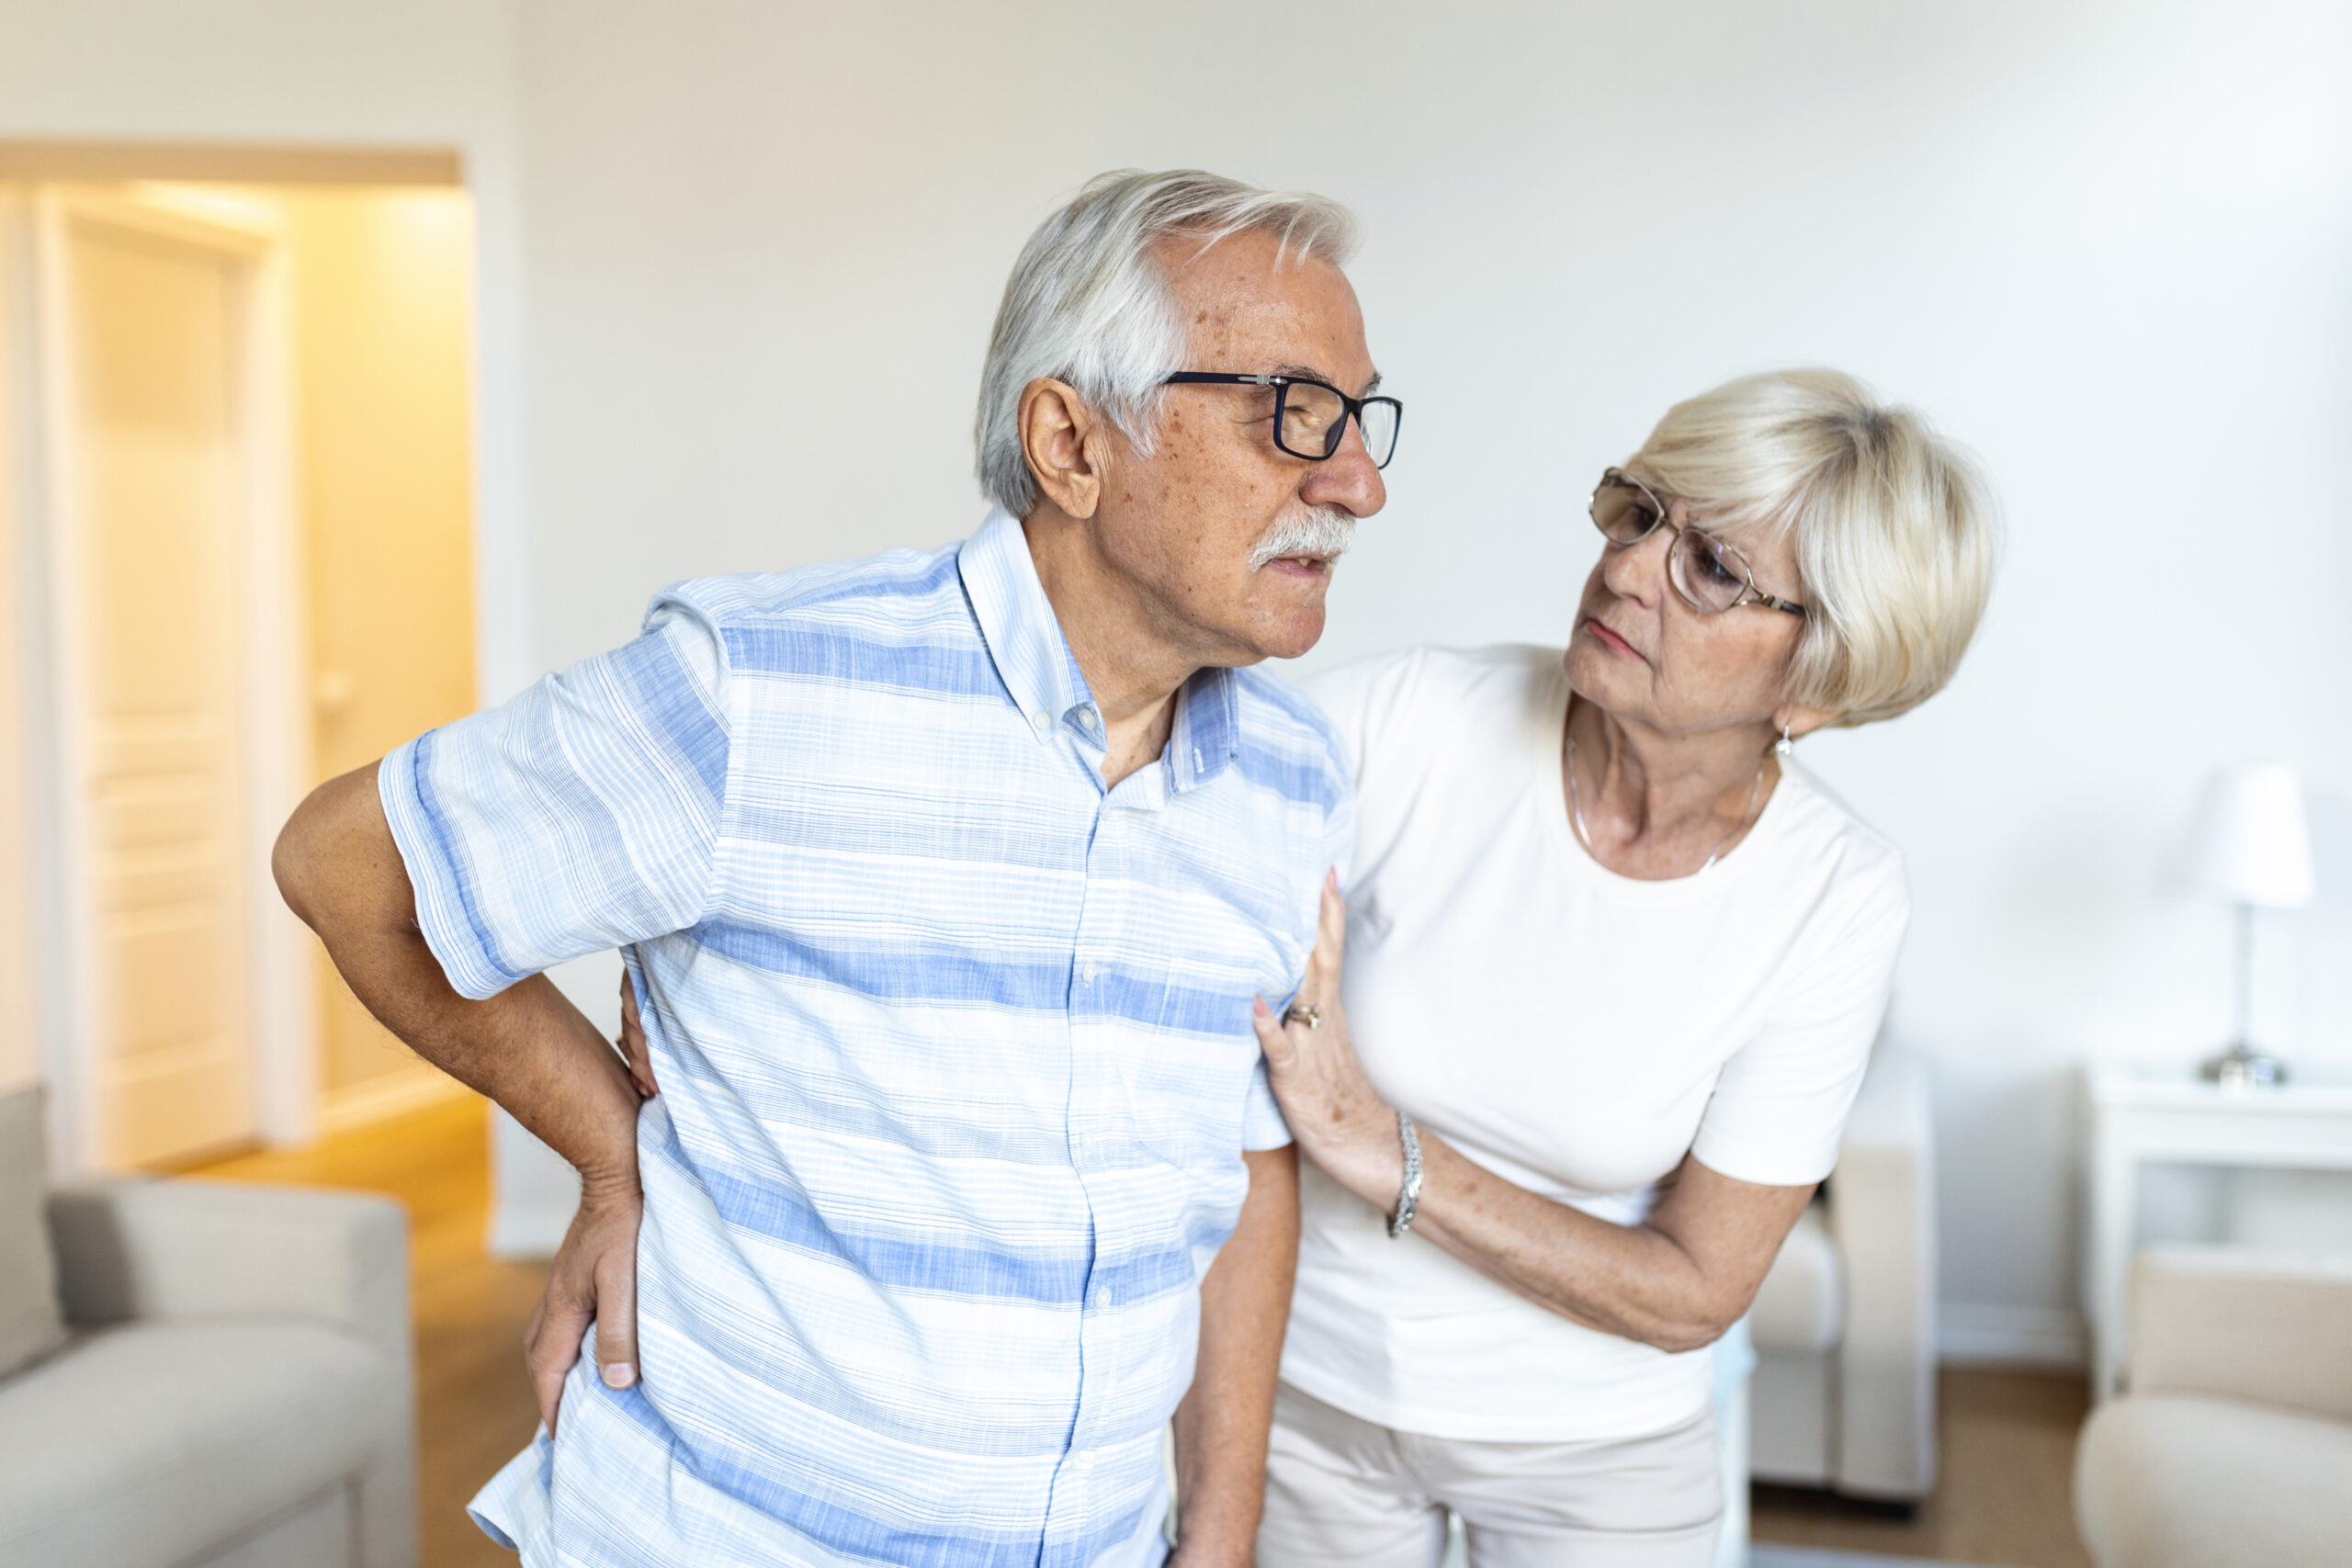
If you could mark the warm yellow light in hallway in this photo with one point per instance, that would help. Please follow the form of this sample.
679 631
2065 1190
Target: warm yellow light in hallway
382 328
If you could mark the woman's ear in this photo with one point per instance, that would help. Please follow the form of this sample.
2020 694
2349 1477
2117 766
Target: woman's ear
1793 720
1062 438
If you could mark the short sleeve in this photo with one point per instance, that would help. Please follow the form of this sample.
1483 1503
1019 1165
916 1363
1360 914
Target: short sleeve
582 815
1262 1123
1780 1104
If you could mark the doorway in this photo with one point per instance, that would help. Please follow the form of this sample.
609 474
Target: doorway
157 459
240 461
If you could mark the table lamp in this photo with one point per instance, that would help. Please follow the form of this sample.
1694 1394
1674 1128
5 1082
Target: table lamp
2254 852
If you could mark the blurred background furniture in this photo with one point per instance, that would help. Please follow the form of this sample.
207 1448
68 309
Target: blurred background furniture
1844 1395
228 1383
2253 850
2140 1119
2233 1442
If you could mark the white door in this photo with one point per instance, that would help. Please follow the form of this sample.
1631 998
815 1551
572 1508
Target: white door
146 313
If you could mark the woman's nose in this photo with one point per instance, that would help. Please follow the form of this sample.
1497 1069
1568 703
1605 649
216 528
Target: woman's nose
1638 571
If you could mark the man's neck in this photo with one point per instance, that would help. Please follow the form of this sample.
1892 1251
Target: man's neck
1131 663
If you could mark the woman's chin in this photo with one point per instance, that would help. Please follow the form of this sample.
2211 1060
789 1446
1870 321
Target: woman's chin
1594 675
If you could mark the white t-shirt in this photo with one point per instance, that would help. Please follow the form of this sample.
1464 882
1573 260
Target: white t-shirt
1573 1030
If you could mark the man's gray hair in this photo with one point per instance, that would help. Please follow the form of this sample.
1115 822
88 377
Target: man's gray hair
1090 304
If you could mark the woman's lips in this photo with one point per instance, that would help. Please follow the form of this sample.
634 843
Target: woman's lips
1611 642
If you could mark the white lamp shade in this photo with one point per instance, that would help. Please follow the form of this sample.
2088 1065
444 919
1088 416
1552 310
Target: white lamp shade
2253 846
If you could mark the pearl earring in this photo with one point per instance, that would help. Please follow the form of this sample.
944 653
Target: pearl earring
1783 746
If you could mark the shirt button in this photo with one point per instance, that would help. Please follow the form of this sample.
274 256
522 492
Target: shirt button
1087 974
1041 723
1086 716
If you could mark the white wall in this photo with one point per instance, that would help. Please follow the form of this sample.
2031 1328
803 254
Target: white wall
742 258
2110 246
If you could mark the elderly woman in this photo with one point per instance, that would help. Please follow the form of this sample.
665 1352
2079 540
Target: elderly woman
1613 967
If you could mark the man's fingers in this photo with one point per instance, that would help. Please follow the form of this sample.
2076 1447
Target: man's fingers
616 1316
550 1346
633 1046
594 1281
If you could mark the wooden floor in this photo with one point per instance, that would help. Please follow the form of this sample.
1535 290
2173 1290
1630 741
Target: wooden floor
2007 1468
2008 1437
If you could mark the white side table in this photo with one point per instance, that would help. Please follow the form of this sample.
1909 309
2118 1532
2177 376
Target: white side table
2138 1119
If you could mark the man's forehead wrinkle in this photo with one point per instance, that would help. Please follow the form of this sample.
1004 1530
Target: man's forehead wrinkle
1240 319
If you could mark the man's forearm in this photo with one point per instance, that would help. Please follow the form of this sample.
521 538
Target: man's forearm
527 1048
1222 1424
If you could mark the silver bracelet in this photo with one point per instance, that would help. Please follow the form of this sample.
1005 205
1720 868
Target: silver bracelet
1409 1198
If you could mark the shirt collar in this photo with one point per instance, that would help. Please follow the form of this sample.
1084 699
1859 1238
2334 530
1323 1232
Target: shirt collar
1207 733
1033 658
1017 622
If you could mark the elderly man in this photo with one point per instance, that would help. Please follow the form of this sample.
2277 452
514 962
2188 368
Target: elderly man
946 882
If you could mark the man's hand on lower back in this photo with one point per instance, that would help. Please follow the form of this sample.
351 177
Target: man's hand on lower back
594 1281
527 1048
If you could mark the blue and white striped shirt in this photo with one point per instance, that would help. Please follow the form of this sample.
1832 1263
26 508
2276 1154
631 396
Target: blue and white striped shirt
955 1052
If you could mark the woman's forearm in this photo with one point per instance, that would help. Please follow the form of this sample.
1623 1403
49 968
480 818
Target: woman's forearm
1676 1281
1629 1281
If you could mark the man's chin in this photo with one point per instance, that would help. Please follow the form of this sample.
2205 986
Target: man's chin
1292 635
1282 614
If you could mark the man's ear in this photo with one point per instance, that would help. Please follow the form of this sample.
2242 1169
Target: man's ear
1062 439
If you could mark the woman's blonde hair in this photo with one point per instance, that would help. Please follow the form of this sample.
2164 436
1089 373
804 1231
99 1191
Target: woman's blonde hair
1894 529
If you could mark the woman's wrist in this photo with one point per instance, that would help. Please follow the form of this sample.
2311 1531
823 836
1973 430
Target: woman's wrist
1367 1156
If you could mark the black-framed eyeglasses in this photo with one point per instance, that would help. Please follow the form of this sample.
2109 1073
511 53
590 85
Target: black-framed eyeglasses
1711 576
1311 417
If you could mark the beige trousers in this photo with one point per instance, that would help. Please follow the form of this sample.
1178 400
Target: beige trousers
1342 1493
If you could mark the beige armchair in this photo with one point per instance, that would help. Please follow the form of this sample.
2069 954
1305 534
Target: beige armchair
235 1392
1844 1395
2233 1444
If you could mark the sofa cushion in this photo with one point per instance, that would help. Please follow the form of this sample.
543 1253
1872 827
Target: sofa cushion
30 1325
2171 1481
1801 1303
152 1444
2257 1325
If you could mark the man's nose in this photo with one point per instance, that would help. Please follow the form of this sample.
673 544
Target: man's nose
1348 478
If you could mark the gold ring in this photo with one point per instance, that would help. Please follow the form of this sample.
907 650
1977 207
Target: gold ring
1300 1012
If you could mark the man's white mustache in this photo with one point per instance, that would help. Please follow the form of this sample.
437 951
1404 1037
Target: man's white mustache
1323 531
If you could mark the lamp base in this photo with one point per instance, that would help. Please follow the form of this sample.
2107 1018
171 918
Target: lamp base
2242 1066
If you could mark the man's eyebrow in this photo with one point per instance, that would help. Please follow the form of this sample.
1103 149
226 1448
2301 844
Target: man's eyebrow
1309 373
